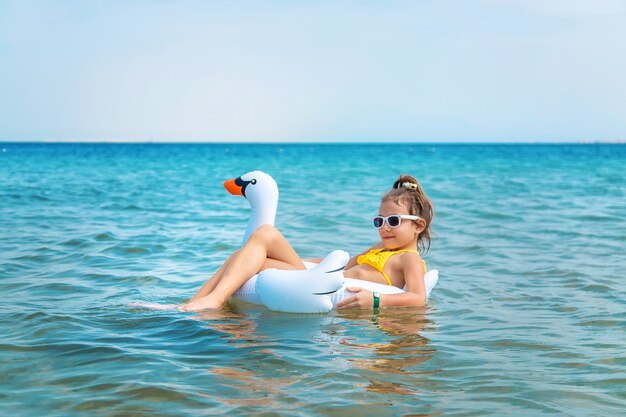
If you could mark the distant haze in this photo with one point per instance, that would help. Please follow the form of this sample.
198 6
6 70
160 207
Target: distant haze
316 71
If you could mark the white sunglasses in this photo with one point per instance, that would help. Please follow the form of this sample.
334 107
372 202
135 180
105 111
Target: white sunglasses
395 220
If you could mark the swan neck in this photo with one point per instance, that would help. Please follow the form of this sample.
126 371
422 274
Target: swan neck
261 213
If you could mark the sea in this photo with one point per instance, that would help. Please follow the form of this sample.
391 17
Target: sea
528 317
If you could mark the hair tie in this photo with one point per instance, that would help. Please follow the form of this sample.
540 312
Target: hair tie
409 185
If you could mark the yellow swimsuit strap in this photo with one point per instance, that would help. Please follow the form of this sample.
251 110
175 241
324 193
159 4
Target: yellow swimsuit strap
377 258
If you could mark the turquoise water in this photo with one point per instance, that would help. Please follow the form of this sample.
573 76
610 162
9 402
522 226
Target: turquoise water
528 318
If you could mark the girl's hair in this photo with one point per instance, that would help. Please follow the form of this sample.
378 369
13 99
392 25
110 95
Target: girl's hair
408 192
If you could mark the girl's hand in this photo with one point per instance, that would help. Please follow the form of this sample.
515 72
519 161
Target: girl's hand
361 299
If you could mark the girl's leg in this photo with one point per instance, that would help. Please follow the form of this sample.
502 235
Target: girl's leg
215 279
265 248
212 282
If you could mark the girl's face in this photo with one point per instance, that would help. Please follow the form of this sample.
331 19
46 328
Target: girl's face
404 236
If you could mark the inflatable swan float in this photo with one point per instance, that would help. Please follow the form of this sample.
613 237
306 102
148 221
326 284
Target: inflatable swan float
314 290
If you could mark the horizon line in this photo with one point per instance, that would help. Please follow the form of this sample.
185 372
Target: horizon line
167 142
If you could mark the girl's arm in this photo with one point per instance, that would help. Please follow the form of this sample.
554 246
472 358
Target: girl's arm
415 295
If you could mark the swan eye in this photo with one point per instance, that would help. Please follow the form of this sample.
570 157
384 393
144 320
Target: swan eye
253 181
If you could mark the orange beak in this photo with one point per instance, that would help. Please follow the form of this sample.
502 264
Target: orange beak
233 188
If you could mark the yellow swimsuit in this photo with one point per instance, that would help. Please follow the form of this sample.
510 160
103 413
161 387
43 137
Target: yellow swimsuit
377 258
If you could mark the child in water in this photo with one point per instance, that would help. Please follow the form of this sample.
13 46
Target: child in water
403 223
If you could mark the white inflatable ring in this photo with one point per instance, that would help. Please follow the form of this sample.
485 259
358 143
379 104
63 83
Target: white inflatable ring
314 290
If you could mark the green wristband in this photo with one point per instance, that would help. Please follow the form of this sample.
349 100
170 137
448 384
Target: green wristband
376 300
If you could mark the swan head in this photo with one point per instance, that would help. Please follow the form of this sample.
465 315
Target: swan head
257 187
261 191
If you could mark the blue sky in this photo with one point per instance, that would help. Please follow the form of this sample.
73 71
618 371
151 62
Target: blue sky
317 71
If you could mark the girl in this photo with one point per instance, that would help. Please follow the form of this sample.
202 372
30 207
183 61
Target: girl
403 223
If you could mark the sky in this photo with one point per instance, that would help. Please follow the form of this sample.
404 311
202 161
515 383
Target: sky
313 71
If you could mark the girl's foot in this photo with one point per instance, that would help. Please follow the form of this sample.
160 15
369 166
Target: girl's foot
204 303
